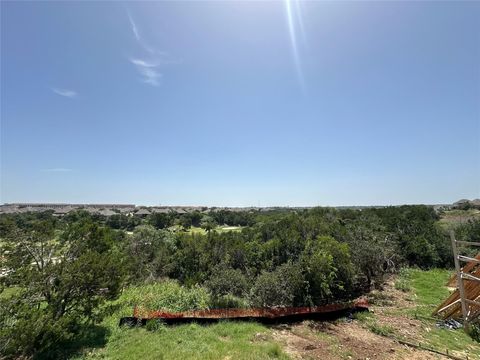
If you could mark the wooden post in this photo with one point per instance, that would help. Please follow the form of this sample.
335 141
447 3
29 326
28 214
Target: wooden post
458 270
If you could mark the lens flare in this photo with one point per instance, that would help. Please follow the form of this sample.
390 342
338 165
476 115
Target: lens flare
295 24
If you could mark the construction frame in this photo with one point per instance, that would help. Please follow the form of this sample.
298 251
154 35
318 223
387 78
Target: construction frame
462 274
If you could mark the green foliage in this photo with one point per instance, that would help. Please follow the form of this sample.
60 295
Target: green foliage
227 281
229 302
167 295
279 258
375 252
61 284
402 285
155 325
161 220
189 219
474 332
233 218
150 252
208 223
328 269
469 231
26 331
121 221
363 316
420 241
403 280
282 287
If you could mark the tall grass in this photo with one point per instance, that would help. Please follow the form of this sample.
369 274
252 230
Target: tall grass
233 340
167 295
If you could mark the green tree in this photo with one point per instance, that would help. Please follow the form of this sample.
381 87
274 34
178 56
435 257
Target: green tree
328 269
374 250
160 220
150 252
61 281
208 223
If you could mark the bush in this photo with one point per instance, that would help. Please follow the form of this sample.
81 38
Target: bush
474 332
227 281
403 283
328 270
155 325
25 332
282 287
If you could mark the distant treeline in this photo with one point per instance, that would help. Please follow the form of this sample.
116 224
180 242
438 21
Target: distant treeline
60 270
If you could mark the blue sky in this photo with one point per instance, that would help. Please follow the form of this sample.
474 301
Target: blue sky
240 103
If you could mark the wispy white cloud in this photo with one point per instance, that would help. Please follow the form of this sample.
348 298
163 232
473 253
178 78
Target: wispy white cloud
149 66
148 71
65 92
144 63
57 170
136 32
134 26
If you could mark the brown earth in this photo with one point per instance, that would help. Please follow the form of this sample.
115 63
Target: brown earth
353 339
343 341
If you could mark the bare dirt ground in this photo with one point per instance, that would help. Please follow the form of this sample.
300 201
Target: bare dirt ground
353 339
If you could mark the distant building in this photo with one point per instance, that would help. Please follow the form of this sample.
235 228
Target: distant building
106 212
60 209
60 205
461 202
465 204
143 212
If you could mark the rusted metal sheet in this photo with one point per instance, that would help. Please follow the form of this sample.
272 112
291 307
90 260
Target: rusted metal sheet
141 315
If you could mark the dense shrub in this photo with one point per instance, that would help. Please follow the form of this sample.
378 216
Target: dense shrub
160 220
328 269
418 239
281 287
28 333
474 332
469 231
227 281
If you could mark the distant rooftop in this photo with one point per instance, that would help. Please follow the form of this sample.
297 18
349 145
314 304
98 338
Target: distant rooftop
61 205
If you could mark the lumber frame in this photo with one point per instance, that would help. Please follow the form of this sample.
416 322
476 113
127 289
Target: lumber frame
468 259
461 288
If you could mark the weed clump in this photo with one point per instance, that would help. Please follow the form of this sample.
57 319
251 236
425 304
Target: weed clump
155 325
167 295
474 332
403 281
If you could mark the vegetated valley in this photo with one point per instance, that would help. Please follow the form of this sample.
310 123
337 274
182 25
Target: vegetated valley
66 281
